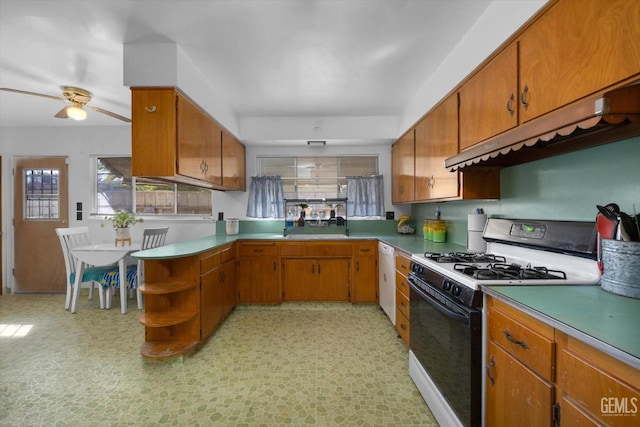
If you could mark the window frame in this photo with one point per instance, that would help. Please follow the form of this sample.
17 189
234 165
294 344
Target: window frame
174 216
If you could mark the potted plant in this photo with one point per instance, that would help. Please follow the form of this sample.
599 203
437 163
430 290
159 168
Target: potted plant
121 221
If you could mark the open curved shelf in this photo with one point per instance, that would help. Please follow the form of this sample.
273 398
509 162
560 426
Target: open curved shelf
164 349
166 287
163 320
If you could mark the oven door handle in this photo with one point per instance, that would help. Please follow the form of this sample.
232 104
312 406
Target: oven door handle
461 318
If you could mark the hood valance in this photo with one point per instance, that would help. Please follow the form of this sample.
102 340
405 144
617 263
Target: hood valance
610 117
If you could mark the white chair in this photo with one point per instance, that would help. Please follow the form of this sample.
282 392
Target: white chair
151 238
71 238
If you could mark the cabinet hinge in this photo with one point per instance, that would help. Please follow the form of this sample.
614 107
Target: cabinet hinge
556 413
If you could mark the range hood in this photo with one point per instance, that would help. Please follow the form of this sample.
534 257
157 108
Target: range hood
609 117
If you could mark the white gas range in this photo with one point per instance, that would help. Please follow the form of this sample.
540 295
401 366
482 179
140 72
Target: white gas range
445 358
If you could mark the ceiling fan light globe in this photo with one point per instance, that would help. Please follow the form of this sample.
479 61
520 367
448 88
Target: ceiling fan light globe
76 112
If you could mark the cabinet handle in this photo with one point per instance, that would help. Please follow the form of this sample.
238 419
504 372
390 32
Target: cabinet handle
257 250
514 341
204 167
365 250
403 326
488 368
150 110
274 266
431 183
318 268
404 304
403 266
523 97
510 105
313 268
357 265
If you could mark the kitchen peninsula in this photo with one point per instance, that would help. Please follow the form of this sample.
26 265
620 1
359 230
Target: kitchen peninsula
177 277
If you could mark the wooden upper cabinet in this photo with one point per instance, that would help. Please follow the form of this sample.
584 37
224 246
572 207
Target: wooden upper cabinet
173 138
153 132
577 48
403 169
199 143
233 162
489 100
437 139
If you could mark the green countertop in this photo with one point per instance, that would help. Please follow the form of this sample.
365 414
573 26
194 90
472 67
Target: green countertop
408 243
603 320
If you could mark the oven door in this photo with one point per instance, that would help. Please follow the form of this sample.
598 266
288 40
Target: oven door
446 338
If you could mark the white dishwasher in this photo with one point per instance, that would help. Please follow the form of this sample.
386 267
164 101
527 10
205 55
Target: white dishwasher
387 280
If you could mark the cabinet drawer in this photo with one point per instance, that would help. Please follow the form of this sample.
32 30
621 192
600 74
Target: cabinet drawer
256 249
526 338
596 383
228 253
291 250
364 249
403 264
402 326
328 250
209 261
402 303
402 284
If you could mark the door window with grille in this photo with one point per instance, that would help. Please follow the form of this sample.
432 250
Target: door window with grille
41 194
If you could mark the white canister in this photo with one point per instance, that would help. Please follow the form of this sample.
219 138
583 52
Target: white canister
233 226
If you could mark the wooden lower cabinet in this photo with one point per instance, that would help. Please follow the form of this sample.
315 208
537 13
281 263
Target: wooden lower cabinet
516 396
365 274
315 279
540 376
593 388
403 263
258 272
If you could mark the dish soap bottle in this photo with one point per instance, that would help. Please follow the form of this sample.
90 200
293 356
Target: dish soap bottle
439 231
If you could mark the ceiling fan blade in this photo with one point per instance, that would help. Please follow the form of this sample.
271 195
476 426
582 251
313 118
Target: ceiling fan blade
62 114
109 113
25 92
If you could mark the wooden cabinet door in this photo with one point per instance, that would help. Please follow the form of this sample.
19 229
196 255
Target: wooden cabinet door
576 49
299 279
233 162
436 139
333 279
153 132
258 280
211 300
199 143
365 272
403 168
489 100
515 396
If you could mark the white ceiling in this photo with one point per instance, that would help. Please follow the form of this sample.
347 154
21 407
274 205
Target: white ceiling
265 58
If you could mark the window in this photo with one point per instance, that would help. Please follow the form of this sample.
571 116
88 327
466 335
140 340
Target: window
41 194
114 191
316 177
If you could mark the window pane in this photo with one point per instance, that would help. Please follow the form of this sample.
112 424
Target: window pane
316 177
41 194
193 200
154 197
114 185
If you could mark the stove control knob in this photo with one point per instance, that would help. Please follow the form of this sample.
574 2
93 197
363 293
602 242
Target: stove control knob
457 290
446 285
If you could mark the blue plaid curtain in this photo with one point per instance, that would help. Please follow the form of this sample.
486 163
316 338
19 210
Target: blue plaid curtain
365 196
266 198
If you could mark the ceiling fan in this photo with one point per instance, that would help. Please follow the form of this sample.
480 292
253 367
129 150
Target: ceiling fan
76 100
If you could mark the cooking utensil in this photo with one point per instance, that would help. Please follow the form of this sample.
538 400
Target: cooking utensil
606 223
628 228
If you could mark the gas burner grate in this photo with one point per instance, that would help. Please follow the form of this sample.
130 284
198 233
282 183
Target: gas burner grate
503 271
463 257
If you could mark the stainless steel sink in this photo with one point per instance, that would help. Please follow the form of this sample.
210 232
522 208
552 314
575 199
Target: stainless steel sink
315 236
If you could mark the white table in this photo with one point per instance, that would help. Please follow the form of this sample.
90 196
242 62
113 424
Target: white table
100 255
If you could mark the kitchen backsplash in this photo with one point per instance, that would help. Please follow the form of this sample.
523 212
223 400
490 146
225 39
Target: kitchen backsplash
566 187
